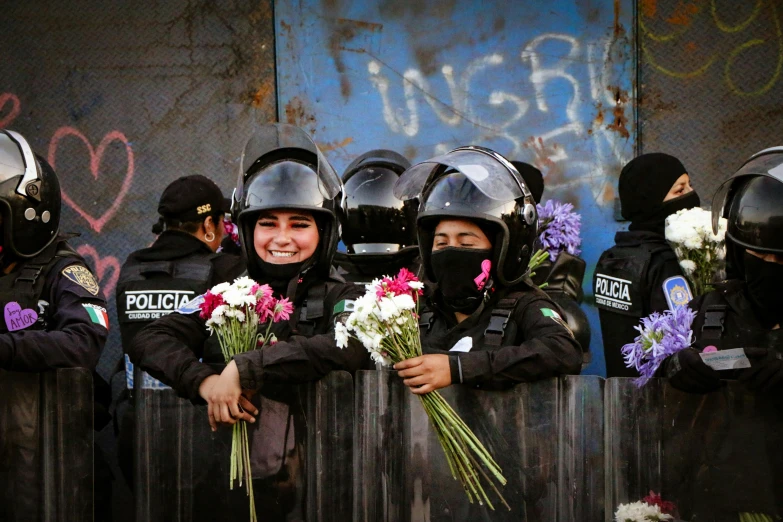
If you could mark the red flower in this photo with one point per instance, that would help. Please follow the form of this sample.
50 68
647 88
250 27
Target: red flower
211 301
654 499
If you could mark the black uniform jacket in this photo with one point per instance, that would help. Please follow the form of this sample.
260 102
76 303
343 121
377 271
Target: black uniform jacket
536 343
662 266
67 334
173 245
169 349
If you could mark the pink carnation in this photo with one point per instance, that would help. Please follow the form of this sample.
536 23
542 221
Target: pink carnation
654 499
282 310
211 301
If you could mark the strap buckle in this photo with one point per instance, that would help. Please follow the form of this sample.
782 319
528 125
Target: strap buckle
714 317
498 322
29 274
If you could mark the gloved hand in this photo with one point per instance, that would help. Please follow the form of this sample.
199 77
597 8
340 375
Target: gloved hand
687 372
766 369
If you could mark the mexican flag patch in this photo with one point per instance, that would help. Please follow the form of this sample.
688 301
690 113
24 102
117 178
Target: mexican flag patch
346 305
98 314
548 312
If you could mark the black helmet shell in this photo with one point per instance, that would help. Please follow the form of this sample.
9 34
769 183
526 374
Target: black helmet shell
30 197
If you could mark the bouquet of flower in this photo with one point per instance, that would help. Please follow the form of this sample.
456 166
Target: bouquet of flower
640 512
558 230
234 313
385 321
661 335
700 252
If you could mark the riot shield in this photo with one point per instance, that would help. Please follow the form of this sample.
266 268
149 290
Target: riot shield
714 455
300 456
46 446
547 437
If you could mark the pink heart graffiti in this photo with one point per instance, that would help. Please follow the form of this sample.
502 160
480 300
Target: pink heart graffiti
95 160
13 112
102 264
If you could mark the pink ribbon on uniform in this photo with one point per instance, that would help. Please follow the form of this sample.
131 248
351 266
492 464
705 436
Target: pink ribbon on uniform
482 278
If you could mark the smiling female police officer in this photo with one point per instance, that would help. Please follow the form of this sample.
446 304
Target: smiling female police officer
486 325
287 203
629 278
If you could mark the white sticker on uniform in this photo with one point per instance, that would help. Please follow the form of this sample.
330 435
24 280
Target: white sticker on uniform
726 359
191 306
613 292
463 345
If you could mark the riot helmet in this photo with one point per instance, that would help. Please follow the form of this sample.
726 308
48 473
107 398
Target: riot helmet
376 221
281 168
751 200
480 185
29 198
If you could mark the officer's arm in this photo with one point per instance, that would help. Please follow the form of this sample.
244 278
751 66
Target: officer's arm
302 359
549 350
662 267
169 350
75 334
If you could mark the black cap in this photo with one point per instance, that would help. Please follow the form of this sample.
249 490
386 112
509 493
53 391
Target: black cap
191 198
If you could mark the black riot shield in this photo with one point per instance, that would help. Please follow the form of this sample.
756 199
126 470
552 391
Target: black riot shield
46 446
547 437
300 453
715 455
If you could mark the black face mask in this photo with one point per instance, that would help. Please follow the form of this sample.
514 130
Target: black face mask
456 271
656 222
279 275
765 288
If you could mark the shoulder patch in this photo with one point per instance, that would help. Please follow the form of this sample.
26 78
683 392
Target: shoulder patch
82 277
191 306
98 314
552 314
677 292
346 305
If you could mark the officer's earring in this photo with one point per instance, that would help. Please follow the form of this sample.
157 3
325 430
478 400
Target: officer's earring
207 237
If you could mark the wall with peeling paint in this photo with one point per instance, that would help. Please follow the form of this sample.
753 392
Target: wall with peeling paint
124 99
552 86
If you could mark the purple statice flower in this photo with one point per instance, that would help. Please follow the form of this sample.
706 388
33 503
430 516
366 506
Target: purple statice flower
661 335
559 228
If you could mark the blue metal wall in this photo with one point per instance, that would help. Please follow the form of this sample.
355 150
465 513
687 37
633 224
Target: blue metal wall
551 84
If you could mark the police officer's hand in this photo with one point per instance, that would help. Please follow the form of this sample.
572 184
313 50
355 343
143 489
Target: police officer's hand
225 402
687 372
766 369
425 373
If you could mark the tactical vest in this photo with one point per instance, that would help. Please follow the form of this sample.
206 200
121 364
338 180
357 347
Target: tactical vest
148 290
618 286
25 285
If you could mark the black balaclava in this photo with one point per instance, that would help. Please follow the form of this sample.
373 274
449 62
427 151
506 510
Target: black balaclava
533 179
462 275
644 182
765 288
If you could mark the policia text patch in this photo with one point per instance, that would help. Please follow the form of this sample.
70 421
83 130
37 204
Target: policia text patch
144 305
614 294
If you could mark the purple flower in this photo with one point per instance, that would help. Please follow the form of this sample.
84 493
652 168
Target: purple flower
661 335
559 228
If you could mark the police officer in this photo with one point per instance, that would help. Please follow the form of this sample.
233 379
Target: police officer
561 280
180 265
287 203
629 279
378 229
486 325
745 312
55 315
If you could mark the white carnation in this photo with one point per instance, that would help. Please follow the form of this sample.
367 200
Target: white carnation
341 335
219 289
688 266
639 512
416 285
404 302
243 283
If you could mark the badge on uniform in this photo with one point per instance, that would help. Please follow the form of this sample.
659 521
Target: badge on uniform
98 314
346 305
82 277
548 312
677 292
192 306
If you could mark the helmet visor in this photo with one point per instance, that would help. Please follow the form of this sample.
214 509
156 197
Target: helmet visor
285 184
16 159
277 141
486 172
458 195
768 163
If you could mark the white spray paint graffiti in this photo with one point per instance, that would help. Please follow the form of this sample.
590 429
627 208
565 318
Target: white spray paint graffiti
606 149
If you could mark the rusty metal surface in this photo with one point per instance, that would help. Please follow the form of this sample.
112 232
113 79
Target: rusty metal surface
123 98
711 90
550 84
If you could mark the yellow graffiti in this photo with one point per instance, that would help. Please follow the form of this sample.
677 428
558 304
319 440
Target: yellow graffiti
733 56
739 27
752 43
